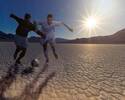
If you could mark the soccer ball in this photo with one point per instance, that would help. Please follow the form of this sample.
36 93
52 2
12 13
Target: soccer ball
35 63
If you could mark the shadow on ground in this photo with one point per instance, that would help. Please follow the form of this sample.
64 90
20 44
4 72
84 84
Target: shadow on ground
31 92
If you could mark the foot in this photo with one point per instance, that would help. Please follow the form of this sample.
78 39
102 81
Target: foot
27 71
18 63
56 56
16 70
47 60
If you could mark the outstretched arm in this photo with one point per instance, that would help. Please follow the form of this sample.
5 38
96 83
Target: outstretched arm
58 23
19 20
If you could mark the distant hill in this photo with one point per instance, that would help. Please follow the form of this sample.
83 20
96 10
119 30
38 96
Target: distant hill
6 37
36 39
10 37
117 38
61 40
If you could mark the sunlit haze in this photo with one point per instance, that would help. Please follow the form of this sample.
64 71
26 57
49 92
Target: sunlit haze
87 17
91 23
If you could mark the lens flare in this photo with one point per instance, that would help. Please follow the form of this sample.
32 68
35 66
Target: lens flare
91 23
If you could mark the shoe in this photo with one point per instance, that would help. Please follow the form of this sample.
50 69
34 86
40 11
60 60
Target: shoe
56 56
47 60
16 70
27 71
18 63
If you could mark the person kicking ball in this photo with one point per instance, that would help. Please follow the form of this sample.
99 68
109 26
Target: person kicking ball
48 28
24 27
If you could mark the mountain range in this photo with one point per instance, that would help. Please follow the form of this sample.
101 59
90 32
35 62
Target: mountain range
117 38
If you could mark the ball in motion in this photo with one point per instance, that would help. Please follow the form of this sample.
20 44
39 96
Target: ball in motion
35 63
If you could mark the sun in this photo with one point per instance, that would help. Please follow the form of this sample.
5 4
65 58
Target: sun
90 23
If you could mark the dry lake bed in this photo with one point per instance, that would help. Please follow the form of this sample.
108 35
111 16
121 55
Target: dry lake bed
82 72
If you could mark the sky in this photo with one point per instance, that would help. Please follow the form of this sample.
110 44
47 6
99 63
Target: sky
110 15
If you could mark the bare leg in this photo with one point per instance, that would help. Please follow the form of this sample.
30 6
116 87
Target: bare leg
54 50
22 54
45 50
18 49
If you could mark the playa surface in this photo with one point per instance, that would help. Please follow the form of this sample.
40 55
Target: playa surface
82 72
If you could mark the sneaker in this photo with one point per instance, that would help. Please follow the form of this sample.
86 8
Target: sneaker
56 56
18 63
27 71
47 60
16 69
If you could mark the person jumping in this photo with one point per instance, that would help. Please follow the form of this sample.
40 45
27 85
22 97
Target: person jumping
48 28
24 27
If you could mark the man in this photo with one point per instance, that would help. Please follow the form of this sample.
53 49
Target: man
24 27
48 28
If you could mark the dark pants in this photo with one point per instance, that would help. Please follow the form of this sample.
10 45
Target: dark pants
21 51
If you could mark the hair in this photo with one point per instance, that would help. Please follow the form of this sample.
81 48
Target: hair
49 16
27 16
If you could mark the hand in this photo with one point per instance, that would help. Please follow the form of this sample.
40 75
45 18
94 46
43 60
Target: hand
11 15
40 33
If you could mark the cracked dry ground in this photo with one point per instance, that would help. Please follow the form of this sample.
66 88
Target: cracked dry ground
83 72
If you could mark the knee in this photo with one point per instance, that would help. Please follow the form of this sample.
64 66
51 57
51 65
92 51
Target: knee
53 47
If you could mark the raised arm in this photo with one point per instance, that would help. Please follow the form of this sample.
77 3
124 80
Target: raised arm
19 20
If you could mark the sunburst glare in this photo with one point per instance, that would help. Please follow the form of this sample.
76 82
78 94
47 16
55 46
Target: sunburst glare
91 23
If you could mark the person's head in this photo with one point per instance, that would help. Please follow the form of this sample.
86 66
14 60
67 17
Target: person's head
27 16
49 18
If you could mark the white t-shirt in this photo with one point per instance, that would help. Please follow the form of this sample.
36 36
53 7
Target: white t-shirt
49 30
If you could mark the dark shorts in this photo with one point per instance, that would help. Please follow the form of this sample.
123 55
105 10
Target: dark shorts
21 41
